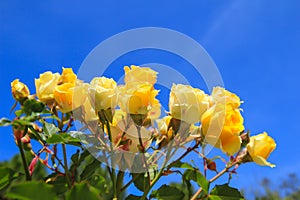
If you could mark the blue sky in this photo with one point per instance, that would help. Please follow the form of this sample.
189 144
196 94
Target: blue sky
255 45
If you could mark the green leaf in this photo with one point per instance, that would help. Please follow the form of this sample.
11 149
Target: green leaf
179 164
166 192
225 192
33 106
89 170
198 178
63 138
82 191
140 181
7 176
5 122
133 197
31 191
50 129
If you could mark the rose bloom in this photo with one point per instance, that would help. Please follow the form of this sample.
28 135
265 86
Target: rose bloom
187 103
137 98
139 74
67 76
221 126
162 126
260 147
103 93
45 86
220 95
69 96
89 112
19 90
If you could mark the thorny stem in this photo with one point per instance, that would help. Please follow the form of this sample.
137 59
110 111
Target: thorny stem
143 153
66 165
24 161
160 173
113 172
215 178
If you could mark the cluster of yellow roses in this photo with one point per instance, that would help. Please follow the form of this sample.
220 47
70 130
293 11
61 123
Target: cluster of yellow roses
135 103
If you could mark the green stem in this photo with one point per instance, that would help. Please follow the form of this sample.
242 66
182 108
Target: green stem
160 173
24 161
66 165
157 177
215 178
113 172
143 153
120 178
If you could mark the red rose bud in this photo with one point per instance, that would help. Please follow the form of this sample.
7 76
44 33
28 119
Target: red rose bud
25 139
211 165
18 134
32 164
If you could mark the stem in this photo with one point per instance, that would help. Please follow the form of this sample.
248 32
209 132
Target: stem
215 178
120 178
157 177
24 161
160 173
113 172
66 165
143 153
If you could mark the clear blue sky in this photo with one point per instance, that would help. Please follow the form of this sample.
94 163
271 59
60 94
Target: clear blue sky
255 44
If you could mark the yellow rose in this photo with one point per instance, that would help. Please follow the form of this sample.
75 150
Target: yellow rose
103 93
162 126
137 98
89 112
69 96
139 74
220 95
221 126
67 76
187 103
19 90
45 86
260 147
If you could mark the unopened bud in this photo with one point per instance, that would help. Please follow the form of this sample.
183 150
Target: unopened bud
19 90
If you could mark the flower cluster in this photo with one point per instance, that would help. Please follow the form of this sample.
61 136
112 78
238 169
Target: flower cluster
133 112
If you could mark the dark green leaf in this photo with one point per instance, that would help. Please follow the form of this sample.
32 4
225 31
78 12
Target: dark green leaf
90 170
82 191
198 178
166 192
5 122
225 192
140 181
7 175
33 106
133 197
31 191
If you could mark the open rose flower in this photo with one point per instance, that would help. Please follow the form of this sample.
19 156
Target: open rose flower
67 76
103 93
222 96
45 86
187 103
137 98
139 74
69 96
221 126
